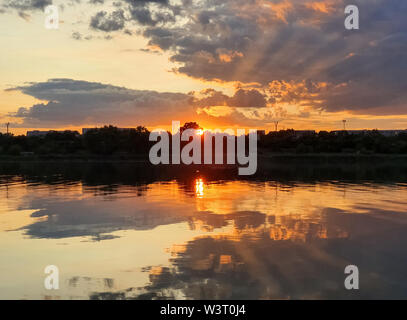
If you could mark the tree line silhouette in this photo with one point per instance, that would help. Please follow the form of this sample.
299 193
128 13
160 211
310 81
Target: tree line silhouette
110 140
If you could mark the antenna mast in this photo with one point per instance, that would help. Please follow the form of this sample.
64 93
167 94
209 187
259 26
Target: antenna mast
276 125
344 125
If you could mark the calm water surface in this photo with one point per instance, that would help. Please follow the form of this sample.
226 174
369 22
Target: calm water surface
117 234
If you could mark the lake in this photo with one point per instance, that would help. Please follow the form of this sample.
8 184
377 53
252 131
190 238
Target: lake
127 231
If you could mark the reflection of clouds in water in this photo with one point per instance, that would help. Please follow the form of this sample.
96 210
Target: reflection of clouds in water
261 267
105 283
286 211
257 239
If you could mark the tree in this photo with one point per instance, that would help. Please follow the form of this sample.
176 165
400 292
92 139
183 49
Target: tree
190 125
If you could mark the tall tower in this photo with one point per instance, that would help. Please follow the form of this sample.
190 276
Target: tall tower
344 125
276 125
7 125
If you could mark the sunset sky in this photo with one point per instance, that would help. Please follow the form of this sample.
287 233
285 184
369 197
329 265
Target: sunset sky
222 63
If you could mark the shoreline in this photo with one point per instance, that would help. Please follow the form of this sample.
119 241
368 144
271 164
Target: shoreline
262 158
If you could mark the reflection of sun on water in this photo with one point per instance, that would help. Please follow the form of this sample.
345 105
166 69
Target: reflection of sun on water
199 188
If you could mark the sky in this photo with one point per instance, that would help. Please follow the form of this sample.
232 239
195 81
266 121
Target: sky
221 63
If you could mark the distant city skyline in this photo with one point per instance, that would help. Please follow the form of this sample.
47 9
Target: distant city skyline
83 131
23 131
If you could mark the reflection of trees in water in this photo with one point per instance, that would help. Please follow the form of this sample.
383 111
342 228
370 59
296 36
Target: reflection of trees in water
283 169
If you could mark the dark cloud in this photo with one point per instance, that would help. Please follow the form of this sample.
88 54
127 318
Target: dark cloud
139 12
139 3
72 102
76 35
108 22
248 99
27 4
241 99
142 12
142 16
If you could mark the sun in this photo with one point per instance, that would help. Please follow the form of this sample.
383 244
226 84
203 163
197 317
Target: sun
200 132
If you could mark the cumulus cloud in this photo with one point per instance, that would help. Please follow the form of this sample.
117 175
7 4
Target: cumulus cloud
73 102
241 99
140 12
108 22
